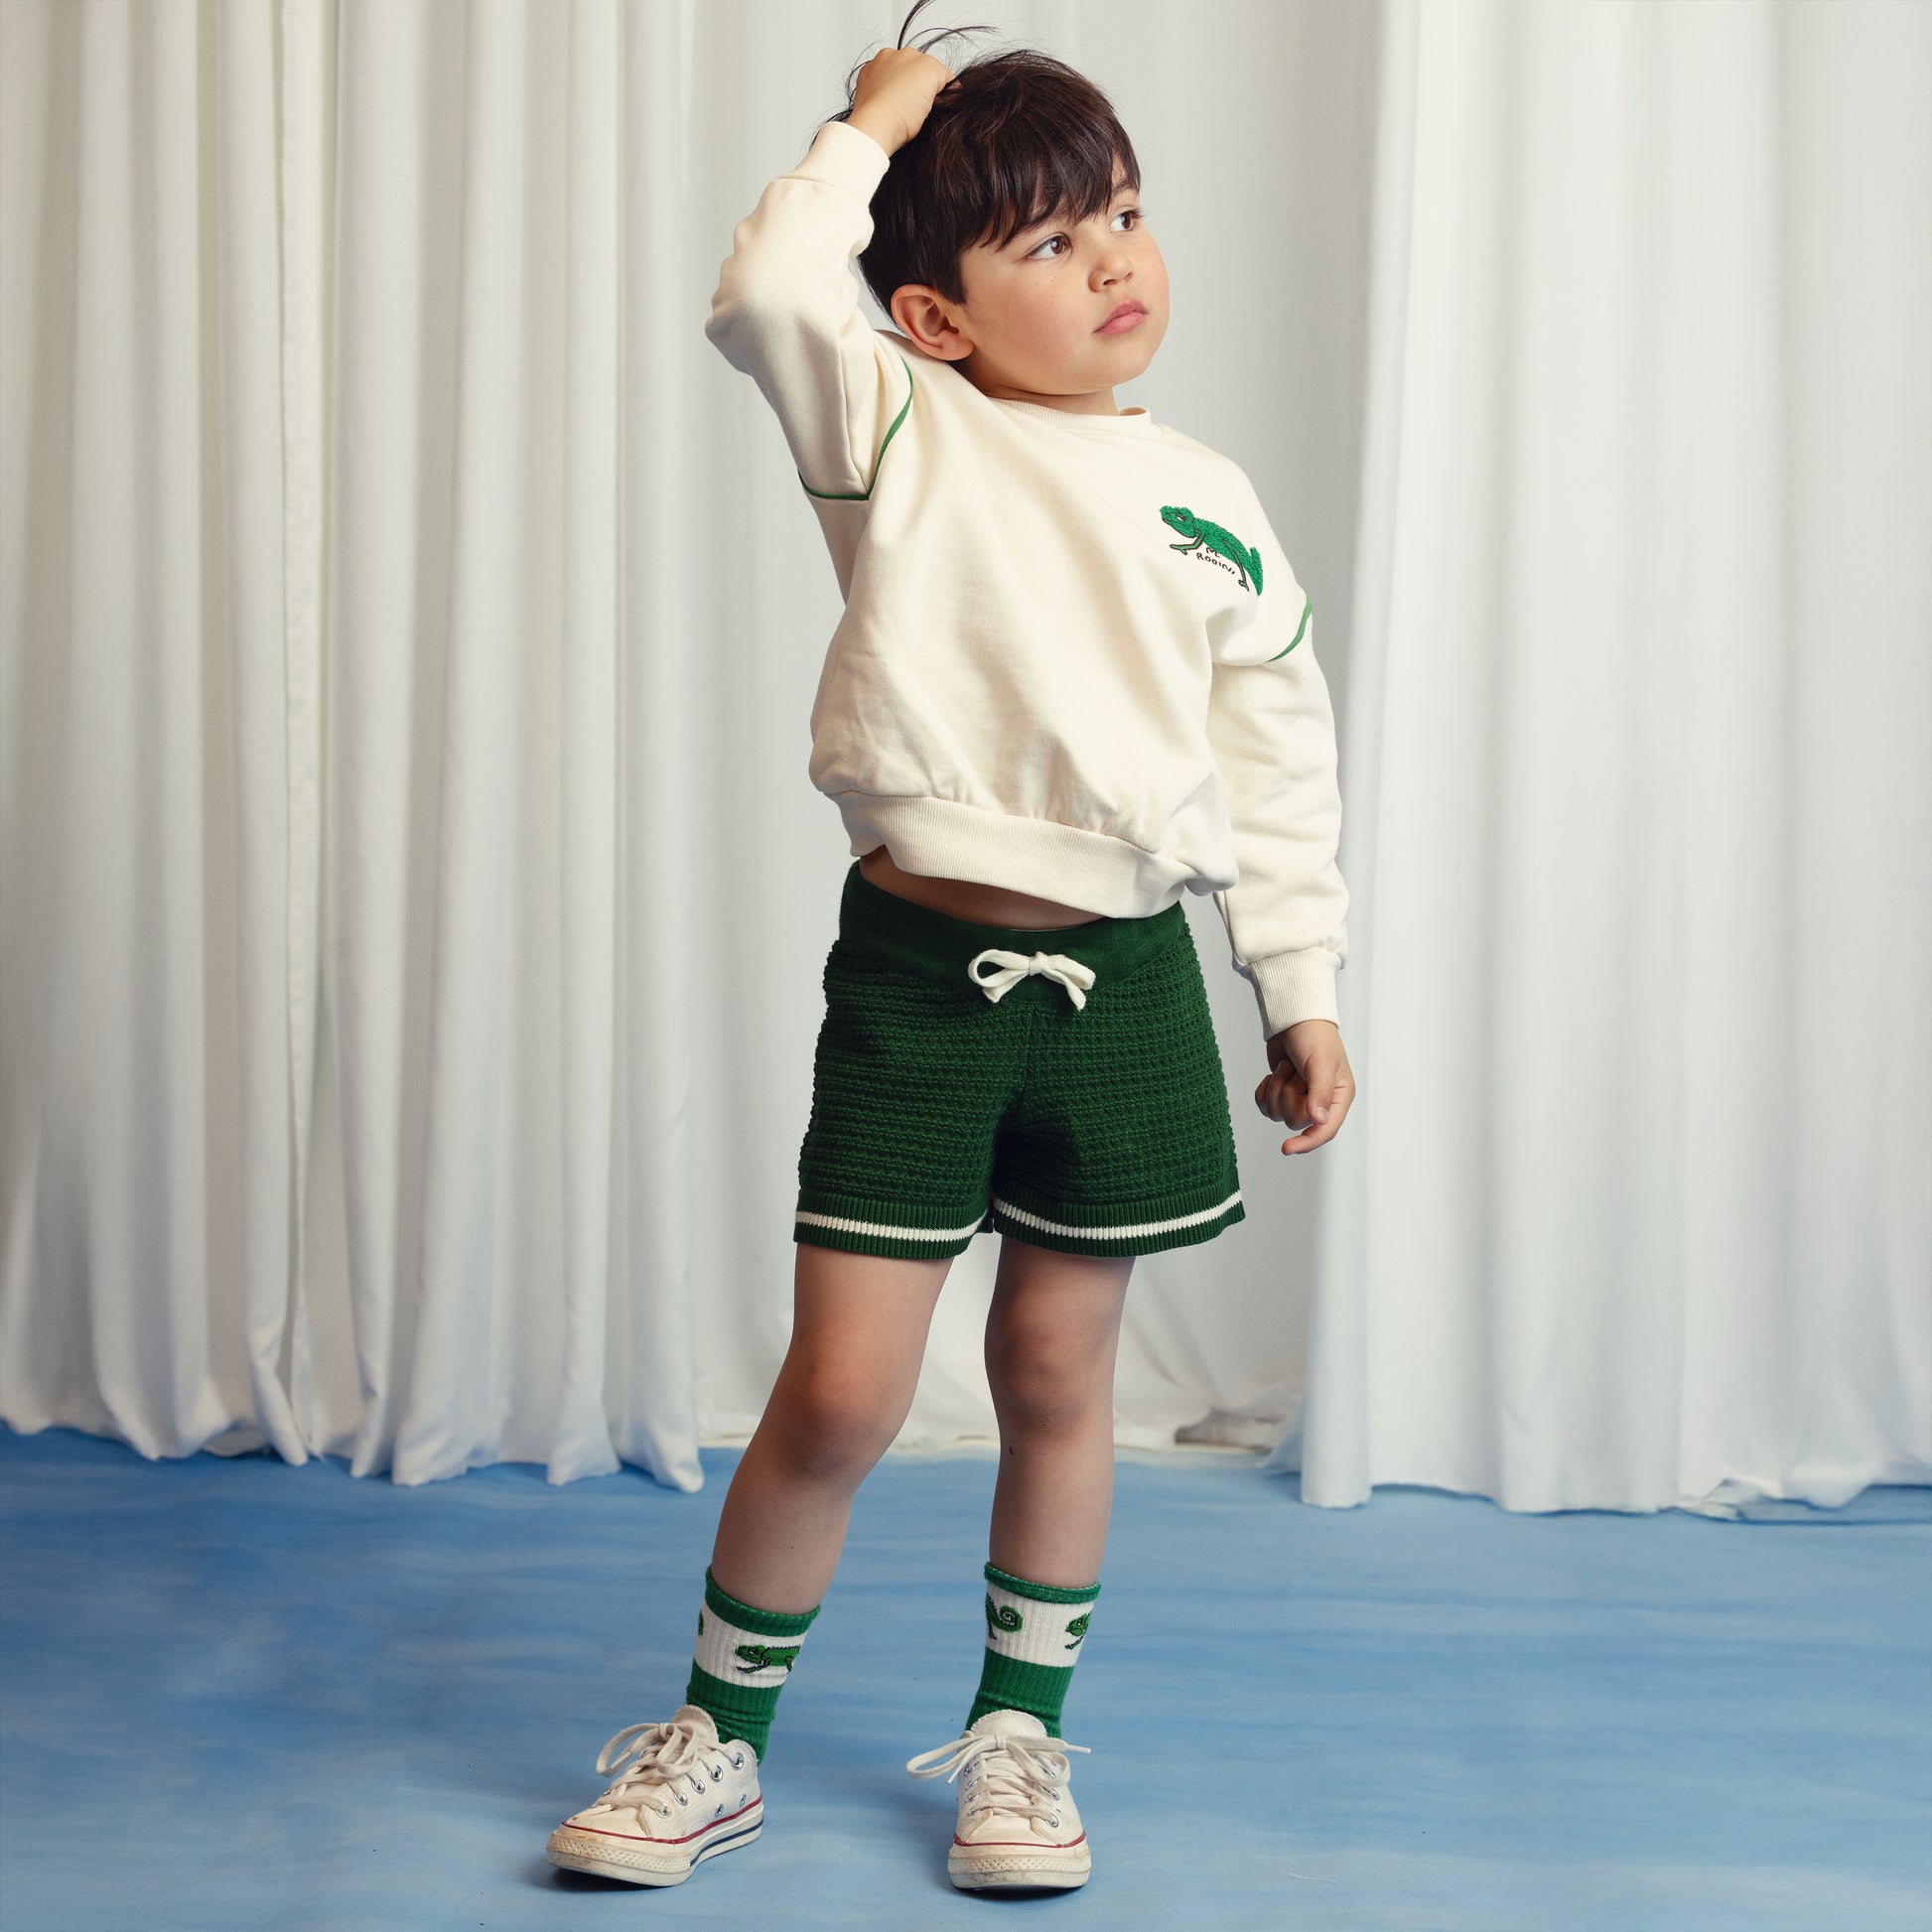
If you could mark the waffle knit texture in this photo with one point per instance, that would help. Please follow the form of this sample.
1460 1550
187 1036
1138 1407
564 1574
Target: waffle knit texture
742 1660
1034 1633
1102 1129
1073 658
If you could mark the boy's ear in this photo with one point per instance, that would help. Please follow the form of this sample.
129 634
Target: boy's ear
925 315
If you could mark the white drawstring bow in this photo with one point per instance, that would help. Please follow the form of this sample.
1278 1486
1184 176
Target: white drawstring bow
1016 966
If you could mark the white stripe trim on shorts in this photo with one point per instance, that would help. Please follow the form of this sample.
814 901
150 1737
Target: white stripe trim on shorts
897 1234
1114 1233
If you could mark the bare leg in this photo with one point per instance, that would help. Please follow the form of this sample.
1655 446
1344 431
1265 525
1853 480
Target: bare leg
1050 1341
858 1337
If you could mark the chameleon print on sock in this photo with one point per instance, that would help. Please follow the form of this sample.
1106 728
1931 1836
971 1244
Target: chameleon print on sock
753 1657
1002 1616
1034 1636
1024 1624
733 1648
742 1658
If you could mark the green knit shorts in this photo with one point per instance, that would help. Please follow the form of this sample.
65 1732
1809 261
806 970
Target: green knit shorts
939 1112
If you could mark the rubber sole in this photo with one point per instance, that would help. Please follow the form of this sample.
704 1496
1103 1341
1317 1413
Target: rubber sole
1016 1870
596 1854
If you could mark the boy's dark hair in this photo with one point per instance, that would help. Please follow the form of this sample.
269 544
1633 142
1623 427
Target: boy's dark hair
1014 138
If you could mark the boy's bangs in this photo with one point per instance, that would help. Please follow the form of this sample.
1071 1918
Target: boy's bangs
1037 180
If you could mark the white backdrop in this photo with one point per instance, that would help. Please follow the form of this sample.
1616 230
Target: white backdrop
414 900
1638 1204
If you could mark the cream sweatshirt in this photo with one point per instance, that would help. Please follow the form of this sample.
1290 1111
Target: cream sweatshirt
1073 661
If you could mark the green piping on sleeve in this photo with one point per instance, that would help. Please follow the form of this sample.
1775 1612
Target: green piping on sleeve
1307 611
860 496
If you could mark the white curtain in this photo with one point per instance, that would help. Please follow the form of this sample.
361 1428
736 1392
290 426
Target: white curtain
353 964
412 898
1637 1205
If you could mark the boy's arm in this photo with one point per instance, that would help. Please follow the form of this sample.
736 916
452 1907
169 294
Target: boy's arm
786 313
1272 727
786 309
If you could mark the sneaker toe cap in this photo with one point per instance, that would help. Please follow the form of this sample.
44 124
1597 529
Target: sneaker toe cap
613 1821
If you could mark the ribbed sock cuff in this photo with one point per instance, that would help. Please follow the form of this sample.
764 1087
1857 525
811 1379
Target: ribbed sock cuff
767 1623
742 1660
1034 1633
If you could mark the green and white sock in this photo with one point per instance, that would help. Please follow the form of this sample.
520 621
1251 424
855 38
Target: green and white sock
742 1660
1034 1633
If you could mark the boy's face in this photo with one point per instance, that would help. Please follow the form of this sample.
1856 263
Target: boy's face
1035 319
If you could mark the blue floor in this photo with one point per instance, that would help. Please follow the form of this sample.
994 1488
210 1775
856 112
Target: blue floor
242 1695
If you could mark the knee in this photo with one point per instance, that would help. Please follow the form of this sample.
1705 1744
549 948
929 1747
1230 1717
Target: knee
835 1421
1045 1384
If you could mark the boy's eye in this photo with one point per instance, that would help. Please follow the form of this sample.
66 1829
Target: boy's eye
1057 247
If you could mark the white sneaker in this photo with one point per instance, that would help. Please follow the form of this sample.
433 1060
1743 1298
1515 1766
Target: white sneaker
680 1797
1017 1823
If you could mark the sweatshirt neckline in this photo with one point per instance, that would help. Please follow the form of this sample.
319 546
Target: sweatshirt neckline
1130 422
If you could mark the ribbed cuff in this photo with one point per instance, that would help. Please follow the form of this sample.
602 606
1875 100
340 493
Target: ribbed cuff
1040 1592
765 1624
1293 986
846 156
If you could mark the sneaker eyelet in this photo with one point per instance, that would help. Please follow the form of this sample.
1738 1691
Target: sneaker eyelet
738 1762
682 1799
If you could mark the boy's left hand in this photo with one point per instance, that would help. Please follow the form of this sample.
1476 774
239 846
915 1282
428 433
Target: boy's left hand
1310 1083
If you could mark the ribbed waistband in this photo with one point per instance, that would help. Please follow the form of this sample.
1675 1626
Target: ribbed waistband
938 945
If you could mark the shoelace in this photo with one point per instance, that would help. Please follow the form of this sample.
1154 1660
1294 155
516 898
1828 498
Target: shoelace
1023 1775
1015 966
654 1757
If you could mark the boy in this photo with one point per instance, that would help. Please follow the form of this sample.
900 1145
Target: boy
1074 679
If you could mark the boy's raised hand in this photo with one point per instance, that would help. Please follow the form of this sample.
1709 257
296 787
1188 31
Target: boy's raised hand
894 94
1310 1082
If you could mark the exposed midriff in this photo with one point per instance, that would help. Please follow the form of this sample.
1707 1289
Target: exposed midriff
967 898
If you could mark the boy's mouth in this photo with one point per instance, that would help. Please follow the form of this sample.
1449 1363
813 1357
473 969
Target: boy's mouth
1126 316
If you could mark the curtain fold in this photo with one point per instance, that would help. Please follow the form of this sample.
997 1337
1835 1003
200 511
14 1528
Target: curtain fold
505 720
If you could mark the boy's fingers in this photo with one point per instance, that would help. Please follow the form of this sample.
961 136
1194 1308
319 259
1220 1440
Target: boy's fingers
1322 1131
1280 1095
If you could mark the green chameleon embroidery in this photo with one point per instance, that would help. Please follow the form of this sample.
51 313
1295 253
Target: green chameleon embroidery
1201 533
1079 1629
764 1656
1001 1615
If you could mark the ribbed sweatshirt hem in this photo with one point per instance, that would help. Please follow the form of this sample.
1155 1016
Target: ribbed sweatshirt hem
945 839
